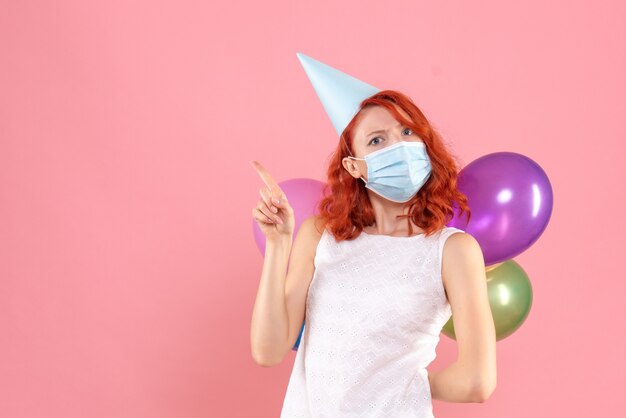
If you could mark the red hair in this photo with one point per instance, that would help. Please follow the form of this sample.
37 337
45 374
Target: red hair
347 209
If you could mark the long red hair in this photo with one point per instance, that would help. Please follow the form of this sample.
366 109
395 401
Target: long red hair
346 208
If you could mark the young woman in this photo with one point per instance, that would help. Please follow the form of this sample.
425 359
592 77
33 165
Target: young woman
375 277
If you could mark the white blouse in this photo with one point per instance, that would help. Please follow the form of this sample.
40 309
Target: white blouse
374 311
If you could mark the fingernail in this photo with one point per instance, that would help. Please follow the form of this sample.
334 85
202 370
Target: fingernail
276 200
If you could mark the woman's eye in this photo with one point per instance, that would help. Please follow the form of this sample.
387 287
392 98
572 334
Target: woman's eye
373 139
408 129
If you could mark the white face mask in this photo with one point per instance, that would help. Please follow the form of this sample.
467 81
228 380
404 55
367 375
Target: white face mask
399 171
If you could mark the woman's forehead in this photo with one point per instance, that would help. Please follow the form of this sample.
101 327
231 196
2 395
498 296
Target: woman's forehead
376 117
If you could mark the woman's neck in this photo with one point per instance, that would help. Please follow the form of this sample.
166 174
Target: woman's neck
386 218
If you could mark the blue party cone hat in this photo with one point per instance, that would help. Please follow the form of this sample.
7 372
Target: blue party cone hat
340 93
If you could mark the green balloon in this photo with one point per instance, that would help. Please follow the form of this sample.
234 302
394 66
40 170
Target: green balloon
510 298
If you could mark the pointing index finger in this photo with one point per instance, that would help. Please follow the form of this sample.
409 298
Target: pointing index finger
267 179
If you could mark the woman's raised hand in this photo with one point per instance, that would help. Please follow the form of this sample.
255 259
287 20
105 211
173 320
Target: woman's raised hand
272 213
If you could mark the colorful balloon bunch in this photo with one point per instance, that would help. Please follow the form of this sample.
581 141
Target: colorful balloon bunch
510 198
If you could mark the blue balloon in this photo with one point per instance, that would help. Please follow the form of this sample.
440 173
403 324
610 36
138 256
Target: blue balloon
297 344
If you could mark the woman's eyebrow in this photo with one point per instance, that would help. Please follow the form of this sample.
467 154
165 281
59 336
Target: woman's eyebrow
383 130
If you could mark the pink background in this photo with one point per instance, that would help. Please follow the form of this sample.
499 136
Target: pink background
128 268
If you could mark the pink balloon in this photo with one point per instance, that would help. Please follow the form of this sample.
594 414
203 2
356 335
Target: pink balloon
304 195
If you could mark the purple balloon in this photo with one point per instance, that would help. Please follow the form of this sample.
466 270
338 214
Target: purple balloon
303 195
510 198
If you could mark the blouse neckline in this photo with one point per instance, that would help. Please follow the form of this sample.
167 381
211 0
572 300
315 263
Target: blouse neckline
392 236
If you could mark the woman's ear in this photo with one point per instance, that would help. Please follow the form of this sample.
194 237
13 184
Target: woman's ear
351 167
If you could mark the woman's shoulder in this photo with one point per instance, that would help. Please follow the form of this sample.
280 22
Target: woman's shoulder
312 229
456 241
